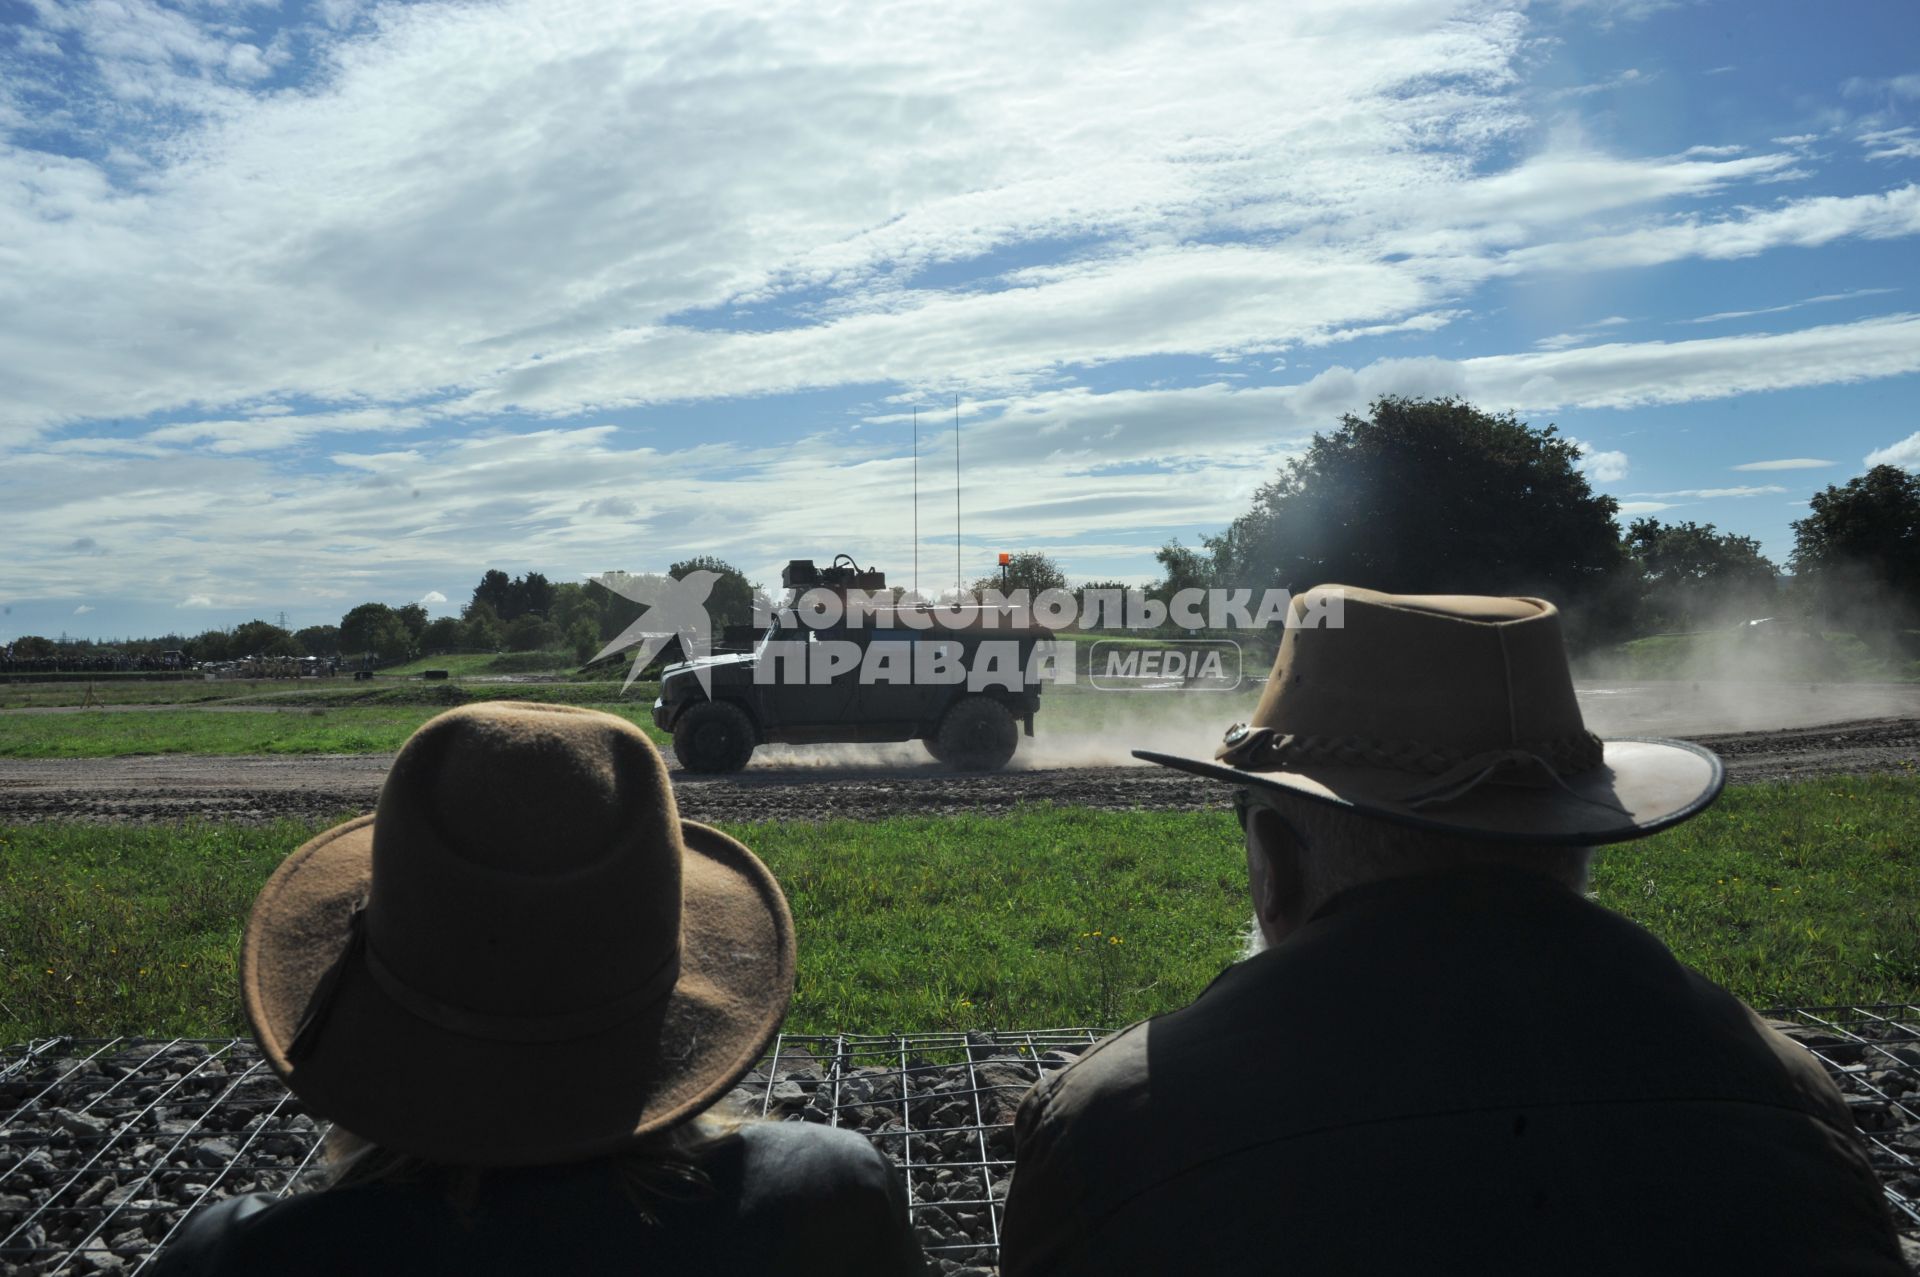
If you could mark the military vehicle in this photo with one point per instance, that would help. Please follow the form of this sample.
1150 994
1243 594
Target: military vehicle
780 693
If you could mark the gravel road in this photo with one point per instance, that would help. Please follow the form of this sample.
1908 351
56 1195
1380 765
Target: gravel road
169 787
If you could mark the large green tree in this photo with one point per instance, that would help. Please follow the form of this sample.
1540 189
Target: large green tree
263 638
414 617
376 628
574 602
1431 496
1858 550
1183 567
442 635
514 597
1692 575
1027 570
529 632
320 640
496 591
731 600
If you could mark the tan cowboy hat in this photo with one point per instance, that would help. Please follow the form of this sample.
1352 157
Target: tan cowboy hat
1452 712
524 956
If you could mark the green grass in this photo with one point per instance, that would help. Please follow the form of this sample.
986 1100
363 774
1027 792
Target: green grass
1802 893
467 664
353 729
456 692
172 692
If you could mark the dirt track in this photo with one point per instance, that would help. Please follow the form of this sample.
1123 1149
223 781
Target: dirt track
266 788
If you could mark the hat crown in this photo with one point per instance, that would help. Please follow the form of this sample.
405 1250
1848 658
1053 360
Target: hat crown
525 864
1463 674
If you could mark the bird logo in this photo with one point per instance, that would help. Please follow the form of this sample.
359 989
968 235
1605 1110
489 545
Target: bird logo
674 609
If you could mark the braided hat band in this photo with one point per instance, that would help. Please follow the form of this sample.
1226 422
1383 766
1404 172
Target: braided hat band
1454 772
1264 749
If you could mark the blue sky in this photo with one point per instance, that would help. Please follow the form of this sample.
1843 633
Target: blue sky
304 305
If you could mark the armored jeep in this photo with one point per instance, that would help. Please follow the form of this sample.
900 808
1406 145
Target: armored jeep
962 688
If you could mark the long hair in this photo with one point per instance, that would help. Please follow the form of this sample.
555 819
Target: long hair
655 1173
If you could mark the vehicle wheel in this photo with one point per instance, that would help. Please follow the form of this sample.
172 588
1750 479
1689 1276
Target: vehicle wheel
934 748
978 735
713 736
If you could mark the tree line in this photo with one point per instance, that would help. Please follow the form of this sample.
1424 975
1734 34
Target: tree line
1435 496
1421 496
524 613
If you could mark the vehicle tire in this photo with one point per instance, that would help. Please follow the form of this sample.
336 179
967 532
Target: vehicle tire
934 748
978 735
713 736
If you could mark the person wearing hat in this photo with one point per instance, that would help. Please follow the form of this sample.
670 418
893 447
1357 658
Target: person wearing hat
1447 1058
521 985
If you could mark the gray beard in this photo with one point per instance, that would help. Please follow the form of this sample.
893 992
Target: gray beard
1252 942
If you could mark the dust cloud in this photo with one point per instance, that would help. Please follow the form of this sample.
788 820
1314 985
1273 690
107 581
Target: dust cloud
1084 727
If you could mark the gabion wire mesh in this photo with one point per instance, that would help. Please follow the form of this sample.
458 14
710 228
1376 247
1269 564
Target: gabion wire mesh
108 1145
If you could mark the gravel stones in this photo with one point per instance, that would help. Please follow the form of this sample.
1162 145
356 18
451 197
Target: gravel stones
105 1148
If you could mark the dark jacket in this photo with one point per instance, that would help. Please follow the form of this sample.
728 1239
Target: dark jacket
1471 1073
793 1198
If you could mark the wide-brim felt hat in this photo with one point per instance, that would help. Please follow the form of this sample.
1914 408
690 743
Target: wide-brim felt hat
524 956
1454 713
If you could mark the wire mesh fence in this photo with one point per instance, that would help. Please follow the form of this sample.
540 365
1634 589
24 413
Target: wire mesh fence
108 1145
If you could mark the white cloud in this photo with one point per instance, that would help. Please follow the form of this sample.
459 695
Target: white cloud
1786 463
1905 454
1626 375
82 610
433 596
1775 310
410 258
1605 13
401 241
1708 494
1899 86
1055 465
1891 144
1804 223
1629 78
1645 507
1600 465
336 330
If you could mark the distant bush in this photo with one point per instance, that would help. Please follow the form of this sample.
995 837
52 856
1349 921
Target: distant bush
530 662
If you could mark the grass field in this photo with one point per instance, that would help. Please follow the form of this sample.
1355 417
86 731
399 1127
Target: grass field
469 664
128 692
349 729
1803 893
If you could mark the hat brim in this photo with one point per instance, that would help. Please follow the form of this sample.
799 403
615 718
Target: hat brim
1644 785
416 1088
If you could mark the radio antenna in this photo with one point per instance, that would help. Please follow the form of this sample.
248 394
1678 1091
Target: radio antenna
916 502
959 583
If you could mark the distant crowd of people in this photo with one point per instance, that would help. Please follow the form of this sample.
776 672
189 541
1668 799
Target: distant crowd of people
521 989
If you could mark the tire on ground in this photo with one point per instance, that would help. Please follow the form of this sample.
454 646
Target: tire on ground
977 735
713 736
934 749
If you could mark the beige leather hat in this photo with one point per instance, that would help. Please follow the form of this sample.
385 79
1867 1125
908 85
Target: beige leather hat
524 956
1451 712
